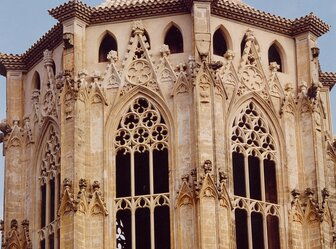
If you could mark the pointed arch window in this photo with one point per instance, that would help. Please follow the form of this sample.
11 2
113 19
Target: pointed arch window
108 43
219 43
49 190
142 179
243 45
174 40
254 158
275 56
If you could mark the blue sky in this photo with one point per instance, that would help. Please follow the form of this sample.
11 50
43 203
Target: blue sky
23 22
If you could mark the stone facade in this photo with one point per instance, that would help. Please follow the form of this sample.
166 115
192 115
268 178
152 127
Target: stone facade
211 141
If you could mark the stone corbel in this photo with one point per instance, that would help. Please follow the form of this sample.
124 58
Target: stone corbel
97 204
203 42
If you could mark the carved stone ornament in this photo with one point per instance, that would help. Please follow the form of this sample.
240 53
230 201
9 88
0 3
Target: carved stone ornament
5 129
185 195
97 204
204 89
17 238
67 204
82 201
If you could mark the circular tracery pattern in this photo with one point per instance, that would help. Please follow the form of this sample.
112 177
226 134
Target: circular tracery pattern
141 126
139 72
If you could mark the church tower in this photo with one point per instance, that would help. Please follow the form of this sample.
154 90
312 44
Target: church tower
169 124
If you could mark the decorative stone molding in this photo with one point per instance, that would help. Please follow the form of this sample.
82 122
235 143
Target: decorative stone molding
67 204
17 237
97 205
185 195
5 129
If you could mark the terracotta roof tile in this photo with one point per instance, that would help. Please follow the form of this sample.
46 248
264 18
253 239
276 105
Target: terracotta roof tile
328 79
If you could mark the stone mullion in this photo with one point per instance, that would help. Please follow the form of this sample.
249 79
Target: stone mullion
133 224
151 172
249 229
152 226
265 230
262 179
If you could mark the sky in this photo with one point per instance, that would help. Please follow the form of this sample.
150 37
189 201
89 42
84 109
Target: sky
23 22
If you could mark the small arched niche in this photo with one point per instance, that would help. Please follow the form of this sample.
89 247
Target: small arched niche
107 44
242 45
174 40
36 82
274 55
219 42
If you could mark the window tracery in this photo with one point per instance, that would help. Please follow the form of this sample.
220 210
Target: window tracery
49 190
254 158
142 179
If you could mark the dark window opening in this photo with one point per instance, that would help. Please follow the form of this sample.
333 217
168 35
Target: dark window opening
162 227
51 241
142 228
239 174
141 170
243 45
257 230
107 44
124 229
241 229
160 165
43 205
274 56
123 174
36 81
147 38
219 43
52 200
254 177
54 67
58 238
270 181
273 234
42 244
174 40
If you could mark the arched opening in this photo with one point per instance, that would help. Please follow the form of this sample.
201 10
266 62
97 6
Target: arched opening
142 177
174 40
242 45
108 43
36 82
219 43
274 56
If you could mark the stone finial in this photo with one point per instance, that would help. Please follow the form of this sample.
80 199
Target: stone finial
185 178
296 194
47 58
25 224
138 27
67 183
182 67
274 67
229 55
112 56
4 127
309 193
303 89
207 166
325 194
215 65
249 35
96 185
222 176
68 40
14 224
82 184
164 50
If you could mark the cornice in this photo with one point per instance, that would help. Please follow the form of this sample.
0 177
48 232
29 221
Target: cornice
71 9
328 79
246 14
34 54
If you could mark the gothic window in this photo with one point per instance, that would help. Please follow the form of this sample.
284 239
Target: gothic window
274 56
108 43
254 160
174 40
49 190
219 43
142 179
36 82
